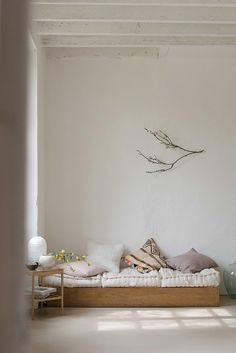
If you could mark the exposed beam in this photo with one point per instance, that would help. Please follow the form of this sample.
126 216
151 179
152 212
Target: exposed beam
144 28
136 13
134 23
146 2
112 52
134 41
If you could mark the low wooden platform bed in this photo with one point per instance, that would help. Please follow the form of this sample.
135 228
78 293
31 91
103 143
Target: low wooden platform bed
140 297
130 289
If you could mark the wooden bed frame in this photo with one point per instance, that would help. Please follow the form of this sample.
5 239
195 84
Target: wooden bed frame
139 297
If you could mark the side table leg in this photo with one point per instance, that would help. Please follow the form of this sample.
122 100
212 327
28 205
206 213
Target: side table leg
32 297
41 284
62 292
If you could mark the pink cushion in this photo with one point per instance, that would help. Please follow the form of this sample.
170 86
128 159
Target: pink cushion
81 269
191 261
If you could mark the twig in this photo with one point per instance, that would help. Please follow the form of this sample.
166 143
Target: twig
165 139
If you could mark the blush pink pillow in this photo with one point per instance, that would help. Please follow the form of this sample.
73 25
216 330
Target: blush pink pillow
81 269
192 261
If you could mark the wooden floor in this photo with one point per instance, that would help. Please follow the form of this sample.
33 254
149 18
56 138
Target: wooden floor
140 297
138 330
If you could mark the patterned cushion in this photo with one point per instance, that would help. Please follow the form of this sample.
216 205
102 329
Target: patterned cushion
147 258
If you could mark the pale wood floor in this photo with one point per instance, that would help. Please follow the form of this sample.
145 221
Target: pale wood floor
154 330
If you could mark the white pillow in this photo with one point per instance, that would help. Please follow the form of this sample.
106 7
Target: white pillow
105 255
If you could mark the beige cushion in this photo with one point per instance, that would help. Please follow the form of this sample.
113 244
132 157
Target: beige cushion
147 258
192 261
105 255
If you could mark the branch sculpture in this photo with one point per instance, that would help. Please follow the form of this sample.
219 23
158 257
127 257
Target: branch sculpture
167 142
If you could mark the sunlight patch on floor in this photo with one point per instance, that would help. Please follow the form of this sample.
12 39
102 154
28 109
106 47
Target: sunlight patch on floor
165 319
221 312
159 324
229 322
120 314
198 323
193 313
154 313
116 325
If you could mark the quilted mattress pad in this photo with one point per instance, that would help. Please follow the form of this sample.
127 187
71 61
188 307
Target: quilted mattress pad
129 277
208 277
72 281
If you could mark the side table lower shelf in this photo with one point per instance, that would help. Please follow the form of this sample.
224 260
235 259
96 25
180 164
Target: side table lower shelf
40 274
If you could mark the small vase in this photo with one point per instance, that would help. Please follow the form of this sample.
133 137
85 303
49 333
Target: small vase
230 280
37 246
47 261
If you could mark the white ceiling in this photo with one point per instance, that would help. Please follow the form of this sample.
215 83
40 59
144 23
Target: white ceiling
132 27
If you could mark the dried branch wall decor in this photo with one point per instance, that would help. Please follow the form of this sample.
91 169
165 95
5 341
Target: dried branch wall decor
168 143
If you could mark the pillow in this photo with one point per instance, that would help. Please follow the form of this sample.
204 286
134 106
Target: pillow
147 258
192 261
107 256
81 269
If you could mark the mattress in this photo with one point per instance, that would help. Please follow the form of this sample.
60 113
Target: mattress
206 278
129 277
72 281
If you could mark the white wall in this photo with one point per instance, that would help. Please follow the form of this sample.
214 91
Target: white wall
31 144
35 189
41 139
95 182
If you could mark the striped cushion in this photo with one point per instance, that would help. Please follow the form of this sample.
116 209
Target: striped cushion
147 258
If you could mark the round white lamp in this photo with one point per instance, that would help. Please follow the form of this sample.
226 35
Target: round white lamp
37 246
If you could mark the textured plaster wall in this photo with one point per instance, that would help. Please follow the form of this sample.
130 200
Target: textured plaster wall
95 182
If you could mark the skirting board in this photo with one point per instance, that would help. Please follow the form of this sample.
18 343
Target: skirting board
140 297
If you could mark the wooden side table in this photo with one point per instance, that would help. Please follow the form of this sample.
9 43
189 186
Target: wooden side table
40 273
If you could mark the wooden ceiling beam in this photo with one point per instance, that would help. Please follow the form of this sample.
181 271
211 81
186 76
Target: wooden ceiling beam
107 52
122 12
138 2
134 23
128 28
134 41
